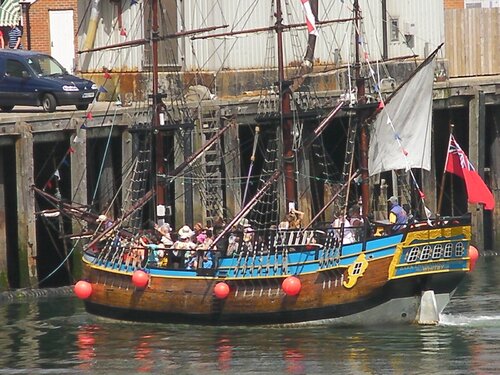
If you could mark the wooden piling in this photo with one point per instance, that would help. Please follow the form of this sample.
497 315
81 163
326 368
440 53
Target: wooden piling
4 281
476 156
26 226
78 185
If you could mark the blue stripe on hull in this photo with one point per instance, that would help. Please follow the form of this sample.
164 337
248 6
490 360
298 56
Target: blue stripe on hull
271 265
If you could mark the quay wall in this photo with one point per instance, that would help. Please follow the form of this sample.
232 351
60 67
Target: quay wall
64 151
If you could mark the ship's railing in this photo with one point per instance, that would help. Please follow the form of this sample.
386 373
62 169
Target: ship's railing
271 240
325 239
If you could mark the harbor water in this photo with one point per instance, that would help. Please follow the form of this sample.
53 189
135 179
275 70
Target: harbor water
54 335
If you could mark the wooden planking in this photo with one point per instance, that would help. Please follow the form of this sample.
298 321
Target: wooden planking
472 41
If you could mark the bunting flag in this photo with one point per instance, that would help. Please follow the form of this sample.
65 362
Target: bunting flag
123 31
102 89
458 163
89 116
310 20
133 2
57 174
107 75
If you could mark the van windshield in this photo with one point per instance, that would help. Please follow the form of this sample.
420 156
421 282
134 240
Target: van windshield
44 65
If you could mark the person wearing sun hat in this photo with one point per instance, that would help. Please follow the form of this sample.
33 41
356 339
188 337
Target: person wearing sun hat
182 248
164 230
397 214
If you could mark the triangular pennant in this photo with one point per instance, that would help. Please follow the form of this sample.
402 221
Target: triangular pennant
84 126
102 89
107 75
123 31
71 150
381 105
65 162
89 116
57 175
133 2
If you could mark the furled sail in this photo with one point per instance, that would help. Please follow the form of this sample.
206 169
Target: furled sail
401 134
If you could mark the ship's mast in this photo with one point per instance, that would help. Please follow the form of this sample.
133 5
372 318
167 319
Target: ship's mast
286 121
361 115
160 187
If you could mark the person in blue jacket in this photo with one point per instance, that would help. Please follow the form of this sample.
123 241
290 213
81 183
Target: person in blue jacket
397 214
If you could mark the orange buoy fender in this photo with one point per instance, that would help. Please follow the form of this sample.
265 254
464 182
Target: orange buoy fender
291 285
140 279
473 257
83 289
221 290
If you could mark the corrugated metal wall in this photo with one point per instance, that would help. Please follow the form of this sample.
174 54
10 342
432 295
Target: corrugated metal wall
108 32
475 34
335 42
257 50
424 19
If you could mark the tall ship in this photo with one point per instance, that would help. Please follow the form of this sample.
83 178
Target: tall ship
307 244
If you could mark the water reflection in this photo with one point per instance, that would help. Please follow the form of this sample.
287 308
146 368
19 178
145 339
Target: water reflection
57 335
224 353
85 341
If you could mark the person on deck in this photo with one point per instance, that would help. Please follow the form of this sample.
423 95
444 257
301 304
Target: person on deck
293 220
397 214
164 232
342 229
182 248
356 222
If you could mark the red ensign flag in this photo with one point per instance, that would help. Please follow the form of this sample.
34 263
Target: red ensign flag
458 163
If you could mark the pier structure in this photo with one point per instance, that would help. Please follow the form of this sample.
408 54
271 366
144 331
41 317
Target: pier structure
86 155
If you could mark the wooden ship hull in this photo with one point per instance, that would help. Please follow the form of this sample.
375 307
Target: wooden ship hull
401 278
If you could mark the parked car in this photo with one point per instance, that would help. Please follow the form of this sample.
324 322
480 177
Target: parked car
36 79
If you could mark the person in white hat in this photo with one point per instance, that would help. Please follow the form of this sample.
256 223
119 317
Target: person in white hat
183 247
164 231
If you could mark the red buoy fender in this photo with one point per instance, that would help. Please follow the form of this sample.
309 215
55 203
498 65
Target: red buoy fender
221 290
473 257
83 289
291 285
140 279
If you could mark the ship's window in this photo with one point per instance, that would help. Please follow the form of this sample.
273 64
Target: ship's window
448 250
413 254
438 251
426 253
357 268
459 249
